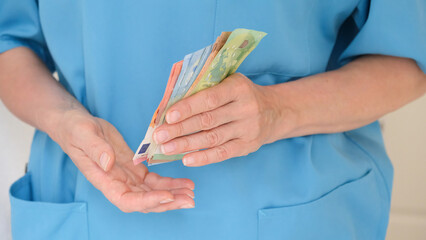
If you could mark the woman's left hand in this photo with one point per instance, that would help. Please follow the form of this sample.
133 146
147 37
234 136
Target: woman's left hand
232 119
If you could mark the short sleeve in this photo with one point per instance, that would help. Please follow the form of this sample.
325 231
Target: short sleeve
390 27
20 26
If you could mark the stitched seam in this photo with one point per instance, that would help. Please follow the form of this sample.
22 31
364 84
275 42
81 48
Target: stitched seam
323 195
374 162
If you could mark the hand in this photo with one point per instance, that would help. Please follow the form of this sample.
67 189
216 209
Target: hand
102 155
231 119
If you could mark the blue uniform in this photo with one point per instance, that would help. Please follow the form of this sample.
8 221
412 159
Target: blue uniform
115 58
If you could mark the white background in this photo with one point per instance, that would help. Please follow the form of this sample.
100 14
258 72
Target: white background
405 138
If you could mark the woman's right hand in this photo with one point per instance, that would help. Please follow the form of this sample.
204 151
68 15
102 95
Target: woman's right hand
100 152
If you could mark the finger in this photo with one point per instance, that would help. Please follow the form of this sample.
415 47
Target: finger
97 149
182 191
203 121
139 201
205 139
181 201
155 181
202 101
91 170
220 153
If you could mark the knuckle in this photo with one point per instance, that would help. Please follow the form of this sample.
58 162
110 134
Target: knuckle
206 120
238 78
222 153
180 130
212 99
243 78
187 108
242 85
185 144
204 158
213 138
241 88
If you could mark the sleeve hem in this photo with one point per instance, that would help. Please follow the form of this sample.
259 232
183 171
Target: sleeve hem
8 43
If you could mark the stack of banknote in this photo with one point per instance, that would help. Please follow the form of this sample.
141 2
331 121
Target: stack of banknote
197 71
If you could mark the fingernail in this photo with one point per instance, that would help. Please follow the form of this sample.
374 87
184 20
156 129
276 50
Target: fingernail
161 136
188 161
169 147
187 206
167 200
104 160
173 117
191 196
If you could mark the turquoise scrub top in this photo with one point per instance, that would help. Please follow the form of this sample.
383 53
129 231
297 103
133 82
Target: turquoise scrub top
115 58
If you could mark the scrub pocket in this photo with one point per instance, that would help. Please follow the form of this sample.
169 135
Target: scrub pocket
353 210
44 220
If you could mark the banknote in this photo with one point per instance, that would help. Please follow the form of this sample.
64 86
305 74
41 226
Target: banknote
198 71
195 63
238 46
141 153
171 86
220 41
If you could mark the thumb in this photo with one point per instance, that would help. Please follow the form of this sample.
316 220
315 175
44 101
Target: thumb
99 150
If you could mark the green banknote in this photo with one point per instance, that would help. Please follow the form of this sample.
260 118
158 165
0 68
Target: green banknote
238 46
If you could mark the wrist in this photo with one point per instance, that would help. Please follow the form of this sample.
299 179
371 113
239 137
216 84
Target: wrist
286 116
61 121
309 105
